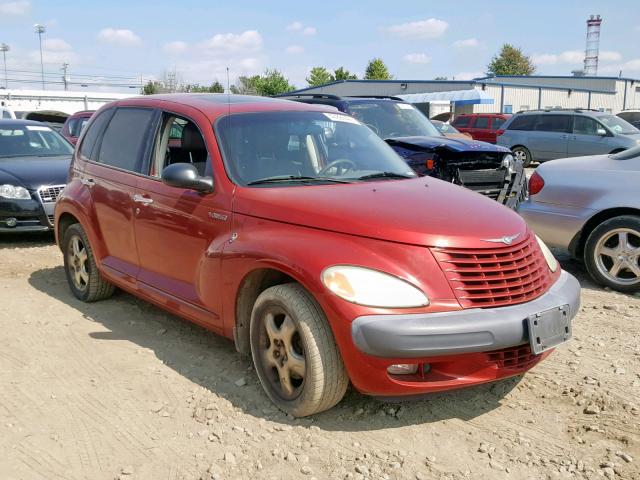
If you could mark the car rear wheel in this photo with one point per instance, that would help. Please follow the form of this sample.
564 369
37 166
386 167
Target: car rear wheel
83 276
294 352
612 253
522 154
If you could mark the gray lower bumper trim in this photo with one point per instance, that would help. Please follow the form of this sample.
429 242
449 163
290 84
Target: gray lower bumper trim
461 331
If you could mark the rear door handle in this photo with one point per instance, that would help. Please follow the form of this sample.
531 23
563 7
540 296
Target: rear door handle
89 182
143 200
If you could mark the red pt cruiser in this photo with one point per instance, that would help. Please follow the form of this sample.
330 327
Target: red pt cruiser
297 232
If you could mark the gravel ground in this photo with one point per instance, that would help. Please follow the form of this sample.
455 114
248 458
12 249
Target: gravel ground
120 389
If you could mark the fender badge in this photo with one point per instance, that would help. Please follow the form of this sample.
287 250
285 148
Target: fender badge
218 216
507 240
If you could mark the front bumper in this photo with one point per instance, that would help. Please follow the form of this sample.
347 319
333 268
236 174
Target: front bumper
29 215
459 332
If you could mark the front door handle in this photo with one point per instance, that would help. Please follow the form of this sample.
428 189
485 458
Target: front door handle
89 182
143 200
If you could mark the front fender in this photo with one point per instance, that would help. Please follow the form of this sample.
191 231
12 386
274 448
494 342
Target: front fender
303 253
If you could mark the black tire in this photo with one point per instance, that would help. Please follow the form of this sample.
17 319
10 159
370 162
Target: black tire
325 380
83 276
607 236
524 154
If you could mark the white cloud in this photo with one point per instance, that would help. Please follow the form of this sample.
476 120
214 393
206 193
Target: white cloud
572 57
55 45
628 66
176 47
468 75
228 43
423 29
19 7
55 50
468 43
417 58
122 37
294 49
298 26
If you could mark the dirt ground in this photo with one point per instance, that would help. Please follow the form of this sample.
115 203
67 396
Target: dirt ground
121 389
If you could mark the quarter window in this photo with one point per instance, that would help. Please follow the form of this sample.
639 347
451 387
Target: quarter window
497 122
123 141
89 141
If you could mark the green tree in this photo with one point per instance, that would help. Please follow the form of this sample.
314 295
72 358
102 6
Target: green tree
341 73
511 61
246 85
151 87
377 70
319 76
215 87
273 83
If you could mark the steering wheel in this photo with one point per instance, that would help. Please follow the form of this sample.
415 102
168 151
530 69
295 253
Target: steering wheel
339 170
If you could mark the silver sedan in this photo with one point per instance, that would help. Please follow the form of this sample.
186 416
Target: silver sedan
591 206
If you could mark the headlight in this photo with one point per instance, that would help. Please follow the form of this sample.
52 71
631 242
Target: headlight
372 288
548 256
17 193
509 163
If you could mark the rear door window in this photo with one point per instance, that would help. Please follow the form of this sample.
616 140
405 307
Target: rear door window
123 142
524 122
461 122
481 122
554 123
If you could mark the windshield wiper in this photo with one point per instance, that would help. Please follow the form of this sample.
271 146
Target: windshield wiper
295 178
385 175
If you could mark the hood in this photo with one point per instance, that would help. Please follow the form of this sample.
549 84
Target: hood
34 172
421 211
453 144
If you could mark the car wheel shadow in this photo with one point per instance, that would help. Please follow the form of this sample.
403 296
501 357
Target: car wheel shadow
177 343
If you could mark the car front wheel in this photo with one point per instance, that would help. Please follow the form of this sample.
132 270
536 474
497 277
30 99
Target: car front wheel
612 253
80 266
294 352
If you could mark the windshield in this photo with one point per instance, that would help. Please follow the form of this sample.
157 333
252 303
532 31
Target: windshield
618 125
32 140
301 147
627 154
393 119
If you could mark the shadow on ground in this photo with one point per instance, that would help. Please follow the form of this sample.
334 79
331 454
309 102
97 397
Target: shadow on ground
212 362
26 240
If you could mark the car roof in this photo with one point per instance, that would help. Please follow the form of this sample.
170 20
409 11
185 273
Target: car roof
565 111
82 113
14 122
215 105
485 115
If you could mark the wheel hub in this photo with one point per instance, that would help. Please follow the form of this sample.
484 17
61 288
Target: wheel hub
617 255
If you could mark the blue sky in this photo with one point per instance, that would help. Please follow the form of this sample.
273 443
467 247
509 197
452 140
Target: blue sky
417 39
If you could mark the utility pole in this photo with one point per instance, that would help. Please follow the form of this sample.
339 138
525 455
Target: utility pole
65 79
4 48
40 29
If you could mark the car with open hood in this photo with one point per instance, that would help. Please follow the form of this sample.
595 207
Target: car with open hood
479 166
297 232
34 162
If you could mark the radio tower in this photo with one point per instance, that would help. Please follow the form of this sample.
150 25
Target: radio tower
593 45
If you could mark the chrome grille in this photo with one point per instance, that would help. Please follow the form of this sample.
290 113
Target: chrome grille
50 194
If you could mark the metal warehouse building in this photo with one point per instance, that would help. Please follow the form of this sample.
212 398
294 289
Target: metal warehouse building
506 94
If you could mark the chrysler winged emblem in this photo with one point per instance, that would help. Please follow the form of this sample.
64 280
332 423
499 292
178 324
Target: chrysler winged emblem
507 239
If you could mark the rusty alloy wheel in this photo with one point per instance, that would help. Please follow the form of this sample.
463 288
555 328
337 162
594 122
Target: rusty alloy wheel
77 260
281 353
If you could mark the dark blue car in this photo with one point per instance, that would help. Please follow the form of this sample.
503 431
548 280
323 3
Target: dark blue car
485 168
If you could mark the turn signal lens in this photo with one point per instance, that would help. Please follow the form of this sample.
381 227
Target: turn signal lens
429 164
536 183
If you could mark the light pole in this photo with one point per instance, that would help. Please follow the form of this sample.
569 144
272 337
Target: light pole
4 48
40 29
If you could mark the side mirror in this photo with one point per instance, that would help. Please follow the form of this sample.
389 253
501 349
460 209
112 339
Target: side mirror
185 175
602 132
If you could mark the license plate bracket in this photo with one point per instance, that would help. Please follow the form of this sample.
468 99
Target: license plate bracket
549 328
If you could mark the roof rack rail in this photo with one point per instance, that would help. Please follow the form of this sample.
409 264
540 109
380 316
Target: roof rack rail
559 110
389 97
310 95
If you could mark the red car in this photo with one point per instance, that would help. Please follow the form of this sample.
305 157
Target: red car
74 125
481 126
297 232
